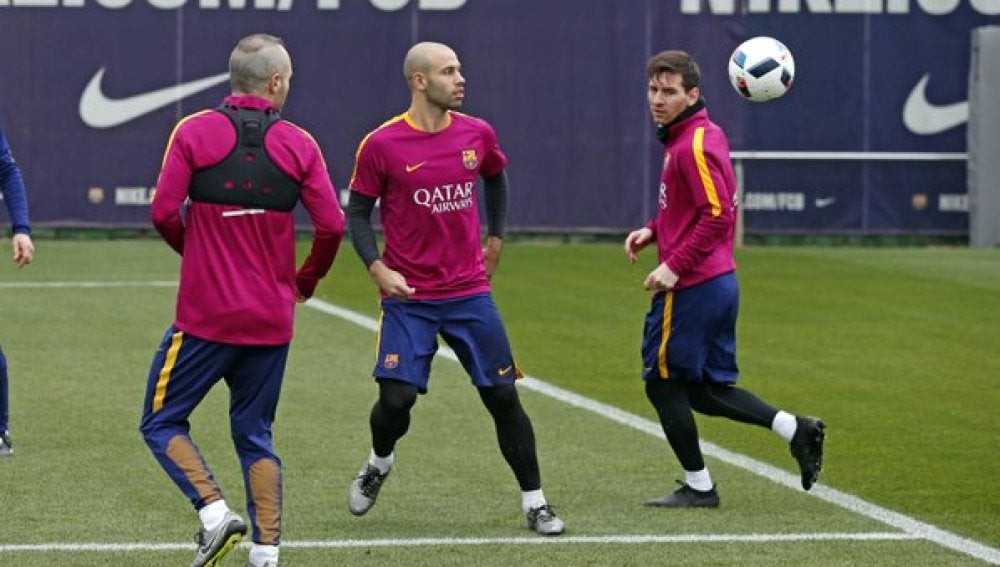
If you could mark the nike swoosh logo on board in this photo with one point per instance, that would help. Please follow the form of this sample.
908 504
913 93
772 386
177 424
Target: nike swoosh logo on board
823 202
412 168
924 118
99 111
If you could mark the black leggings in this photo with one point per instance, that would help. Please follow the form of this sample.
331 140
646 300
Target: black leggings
390 420
674 400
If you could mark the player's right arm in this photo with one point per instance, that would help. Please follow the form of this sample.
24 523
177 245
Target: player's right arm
367 184
359 224
172 187
636 241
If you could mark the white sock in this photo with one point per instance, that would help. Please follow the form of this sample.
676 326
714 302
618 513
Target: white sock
698 480
383 464
784 424
259 554
212 514
532 499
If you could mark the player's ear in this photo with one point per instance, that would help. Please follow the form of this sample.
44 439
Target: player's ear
693 95
419 81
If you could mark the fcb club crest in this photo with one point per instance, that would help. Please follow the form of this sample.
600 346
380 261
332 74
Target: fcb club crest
469 159
391 360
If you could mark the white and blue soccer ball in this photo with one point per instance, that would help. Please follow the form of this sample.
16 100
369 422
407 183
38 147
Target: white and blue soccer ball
761 69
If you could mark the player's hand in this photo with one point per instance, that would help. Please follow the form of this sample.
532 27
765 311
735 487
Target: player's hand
491 255
636 241
391 282
661 279
24 250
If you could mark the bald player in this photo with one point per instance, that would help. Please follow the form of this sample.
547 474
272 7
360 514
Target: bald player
434 273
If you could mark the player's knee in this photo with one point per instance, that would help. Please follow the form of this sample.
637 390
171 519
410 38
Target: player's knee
156 437
501 399
699 396
663 391
396 397
146 428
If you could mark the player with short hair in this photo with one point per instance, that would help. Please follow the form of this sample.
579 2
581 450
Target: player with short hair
230 180
15 197
689 338
434 274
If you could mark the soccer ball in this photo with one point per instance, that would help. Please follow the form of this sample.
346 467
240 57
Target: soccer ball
761 69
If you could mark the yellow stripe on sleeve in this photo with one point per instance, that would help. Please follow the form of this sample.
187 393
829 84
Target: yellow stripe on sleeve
698 147
354 170
170 140
311 139
168 366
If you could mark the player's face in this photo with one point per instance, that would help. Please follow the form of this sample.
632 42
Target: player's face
445 83
667 97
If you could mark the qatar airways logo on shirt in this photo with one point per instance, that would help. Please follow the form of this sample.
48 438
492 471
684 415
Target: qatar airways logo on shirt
446 198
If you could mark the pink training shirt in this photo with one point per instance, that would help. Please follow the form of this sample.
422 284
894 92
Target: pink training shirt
696 221
427 185
238 279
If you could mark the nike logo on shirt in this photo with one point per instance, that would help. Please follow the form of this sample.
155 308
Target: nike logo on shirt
99 111
922 117
412 168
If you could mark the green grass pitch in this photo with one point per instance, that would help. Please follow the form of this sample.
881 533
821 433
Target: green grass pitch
897 349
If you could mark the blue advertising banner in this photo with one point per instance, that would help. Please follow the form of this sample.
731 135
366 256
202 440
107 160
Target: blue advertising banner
870 139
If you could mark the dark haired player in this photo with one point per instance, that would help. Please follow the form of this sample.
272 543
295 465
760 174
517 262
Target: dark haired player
689 338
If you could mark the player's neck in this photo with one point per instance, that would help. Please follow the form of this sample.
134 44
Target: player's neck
428 118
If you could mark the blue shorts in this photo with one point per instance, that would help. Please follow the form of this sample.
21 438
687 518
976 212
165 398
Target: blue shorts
470 325
184 370
690 334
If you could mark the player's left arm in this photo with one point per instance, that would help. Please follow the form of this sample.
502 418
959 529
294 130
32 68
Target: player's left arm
495 187
705 175
16 199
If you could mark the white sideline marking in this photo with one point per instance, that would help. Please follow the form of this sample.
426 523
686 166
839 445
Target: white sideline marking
909 525
912 528
432 541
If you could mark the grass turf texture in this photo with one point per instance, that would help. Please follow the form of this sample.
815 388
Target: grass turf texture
895 348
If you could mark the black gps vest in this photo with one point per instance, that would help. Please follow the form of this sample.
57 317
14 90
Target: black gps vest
246 177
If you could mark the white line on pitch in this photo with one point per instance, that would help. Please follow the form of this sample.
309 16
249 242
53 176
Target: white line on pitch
914 529
903 522
468 541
